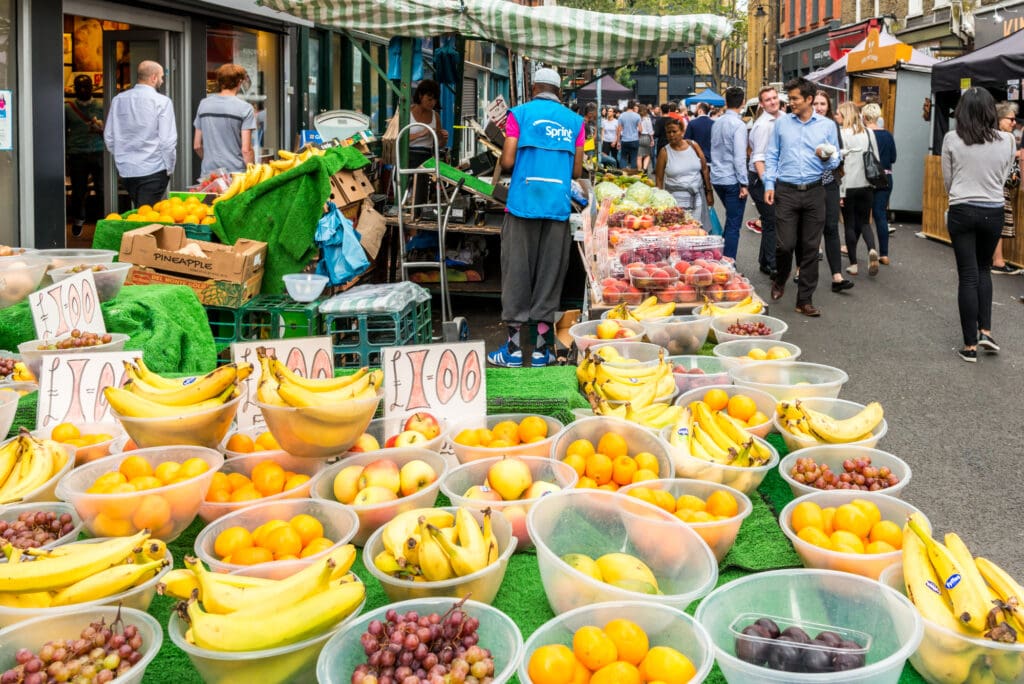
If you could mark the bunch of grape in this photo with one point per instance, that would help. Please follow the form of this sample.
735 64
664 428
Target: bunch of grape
616 218
6 366
752 329
34 529
85 267
858 473
427 649
79 339
101 654
670 216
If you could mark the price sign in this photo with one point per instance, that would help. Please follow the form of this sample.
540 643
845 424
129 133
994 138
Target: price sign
71 386
447 379
68 305
311 357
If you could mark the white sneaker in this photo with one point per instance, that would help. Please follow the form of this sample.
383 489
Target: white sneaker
852 269
873 262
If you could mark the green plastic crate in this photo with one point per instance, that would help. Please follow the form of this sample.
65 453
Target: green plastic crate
278 316
358 339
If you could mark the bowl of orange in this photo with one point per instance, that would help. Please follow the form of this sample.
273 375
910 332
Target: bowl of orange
504 434
608 453
91 440
753 408
257 477
250 441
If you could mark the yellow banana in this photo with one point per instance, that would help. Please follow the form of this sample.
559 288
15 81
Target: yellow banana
668 416
463 561
10 453
286 154
405 524
107 582
35 465
297 395
281 165
433 561
489 538
958 549
237 185
923 586
28 600
715 452
45 574
132 405
207 387
627 374
703 415
970 606
841 431
22 373
182 582
1009 592
155 379
386 562
316 384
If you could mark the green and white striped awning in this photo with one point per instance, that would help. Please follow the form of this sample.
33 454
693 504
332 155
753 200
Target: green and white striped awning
560 36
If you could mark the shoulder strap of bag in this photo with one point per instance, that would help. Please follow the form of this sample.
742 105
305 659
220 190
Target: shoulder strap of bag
76 110
705 172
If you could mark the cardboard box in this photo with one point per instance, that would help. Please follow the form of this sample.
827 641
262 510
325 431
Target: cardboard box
348 187
159 247
371 227
210 292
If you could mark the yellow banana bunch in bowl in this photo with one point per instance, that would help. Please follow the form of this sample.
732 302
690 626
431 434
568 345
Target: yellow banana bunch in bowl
30 468
810 422
645 310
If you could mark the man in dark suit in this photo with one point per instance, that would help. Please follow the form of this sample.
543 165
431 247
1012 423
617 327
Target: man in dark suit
699 129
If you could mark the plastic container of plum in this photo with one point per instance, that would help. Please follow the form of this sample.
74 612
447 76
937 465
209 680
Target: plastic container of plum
712 371
833 456
691 247
679 334
653 277
720 327
837 600
849 646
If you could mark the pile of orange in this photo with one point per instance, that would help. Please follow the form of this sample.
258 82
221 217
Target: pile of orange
68 433
300 537
618 654
609 464
267 478
719 505
173 210
507 433
855 527
739 406
244 444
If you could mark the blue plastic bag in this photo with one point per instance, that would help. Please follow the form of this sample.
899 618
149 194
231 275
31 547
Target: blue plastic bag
343 256
716 224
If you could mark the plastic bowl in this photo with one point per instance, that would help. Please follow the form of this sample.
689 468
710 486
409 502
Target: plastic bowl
580 330
20 276
498 633
482 585
305 287
383 428
595 523
740 478
765 403
637 438
8 408
734 353
646 353
59 258
86 454
202 428
138 597
840 409
782 379
46 491
664 626
945 655
59 508
289 664
319 432
19 388
253 433
715 372
466 454
211 510
718 534
70 622
679 334
109 281
822 598
869 565
124 514
33 356
456 482
373 516
720 325
833 456
340 524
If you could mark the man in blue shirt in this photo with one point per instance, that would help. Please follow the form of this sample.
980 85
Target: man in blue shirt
628 137
699 128
729 166
802 146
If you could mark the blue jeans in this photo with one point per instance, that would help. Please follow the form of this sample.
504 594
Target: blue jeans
880 212
734 205
627 154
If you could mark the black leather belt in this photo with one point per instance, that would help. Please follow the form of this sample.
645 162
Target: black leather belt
799 186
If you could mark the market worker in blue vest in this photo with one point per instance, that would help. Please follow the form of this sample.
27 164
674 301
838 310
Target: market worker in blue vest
544 149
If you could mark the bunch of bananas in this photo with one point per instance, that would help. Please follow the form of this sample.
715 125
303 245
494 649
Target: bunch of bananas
280 386
255 174
26 463
970 596
748 305
78 572
626 388
646 310
149 395
717 437
227 617
806 422
431 545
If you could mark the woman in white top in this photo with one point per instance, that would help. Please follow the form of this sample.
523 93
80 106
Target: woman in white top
856 196
609 128
421 142
643 156
683 171
976 159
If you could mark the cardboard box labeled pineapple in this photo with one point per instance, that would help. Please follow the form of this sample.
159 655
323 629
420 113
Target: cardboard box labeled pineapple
168 248
210 292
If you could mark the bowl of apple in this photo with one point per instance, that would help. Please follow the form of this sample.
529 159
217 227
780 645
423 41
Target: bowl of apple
420 429
589 333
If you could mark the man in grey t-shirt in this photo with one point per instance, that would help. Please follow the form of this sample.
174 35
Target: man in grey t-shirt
224 125
628 137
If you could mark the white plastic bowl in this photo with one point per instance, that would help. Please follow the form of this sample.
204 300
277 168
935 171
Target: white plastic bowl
833 456
840 409
20 276
679 334
734 353
87 454
720 325
108 281
579 331
8 408
305 287
765 403
466 454
740 478
319 432
715 372
33 356
10 514
75 256
204 428
791 379
47 490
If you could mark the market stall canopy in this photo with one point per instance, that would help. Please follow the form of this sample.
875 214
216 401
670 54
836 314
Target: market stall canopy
564 37
886 45
993 64
707 95
611 90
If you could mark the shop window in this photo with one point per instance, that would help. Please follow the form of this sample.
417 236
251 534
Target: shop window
829 9
915 7
792 15
803 13
9 222
313 80
335 69
814 11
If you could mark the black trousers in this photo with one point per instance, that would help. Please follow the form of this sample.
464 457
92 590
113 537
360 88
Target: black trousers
974 232
81 166
857 219
147 189
832 247
800 220
766 254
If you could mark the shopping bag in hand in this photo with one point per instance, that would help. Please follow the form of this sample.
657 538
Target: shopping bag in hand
343 256
716 225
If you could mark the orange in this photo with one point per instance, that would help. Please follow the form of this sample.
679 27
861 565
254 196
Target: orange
623 469
552 664
664 500
716 399
241 443
106 526
231 540
112 217
642 493
237 481
741 407
578 462
318 545
599 468
295 480
849 542
852 519
267 442
689 502
484 437
812 535
106 481
583 447
246 493
879 547
593 648
629 638
665 664
869 509
609 487
619 672
828 519
644 474
612 445
757 419
153 513
64 432
806 514
260 533
645 460
268 478
887 531
220 481
193 467
581 675
700 517
284 541
532 429
121 506
167 471
251 555
307 527
219 495
500 444
506 430
586 483
684 514
722 503
145 482
135 466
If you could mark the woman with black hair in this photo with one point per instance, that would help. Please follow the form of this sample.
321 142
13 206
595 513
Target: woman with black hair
976 159
830 179
421 143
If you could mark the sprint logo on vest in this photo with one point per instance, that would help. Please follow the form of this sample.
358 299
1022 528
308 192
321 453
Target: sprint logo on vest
555 130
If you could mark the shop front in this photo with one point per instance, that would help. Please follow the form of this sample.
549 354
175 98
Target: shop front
806 53
995 23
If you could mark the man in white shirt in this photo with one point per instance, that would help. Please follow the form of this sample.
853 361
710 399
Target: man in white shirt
760 134
140 134
729 166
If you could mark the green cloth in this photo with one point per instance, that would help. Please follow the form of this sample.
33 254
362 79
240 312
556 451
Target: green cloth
549 391
165 322
283 212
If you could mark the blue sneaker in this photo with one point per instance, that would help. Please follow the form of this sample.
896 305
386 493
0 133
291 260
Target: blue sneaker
541 358
506 359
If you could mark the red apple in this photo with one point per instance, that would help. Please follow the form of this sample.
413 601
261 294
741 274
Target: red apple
366 442
623 333
516 516
482 493
423 423
415 475
382 473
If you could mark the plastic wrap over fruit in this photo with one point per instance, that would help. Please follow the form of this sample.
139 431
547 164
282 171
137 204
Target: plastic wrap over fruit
607 190
639 193
662 199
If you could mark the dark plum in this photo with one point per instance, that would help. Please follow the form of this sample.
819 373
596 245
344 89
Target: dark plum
796 634
830 638
817 660
785 657
752 650
847 661
769 625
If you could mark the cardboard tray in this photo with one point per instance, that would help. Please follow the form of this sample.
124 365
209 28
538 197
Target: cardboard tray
158 246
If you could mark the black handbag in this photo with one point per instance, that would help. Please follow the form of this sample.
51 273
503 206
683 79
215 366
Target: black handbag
873 170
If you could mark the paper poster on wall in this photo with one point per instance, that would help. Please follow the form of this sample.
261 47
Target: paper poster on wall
6 120
1013 89
447 380
71 304
311 357
71 386
965 83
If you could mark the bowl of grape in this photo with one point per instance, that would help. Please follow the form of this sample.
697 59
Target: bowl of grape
730 327
34 351
109 278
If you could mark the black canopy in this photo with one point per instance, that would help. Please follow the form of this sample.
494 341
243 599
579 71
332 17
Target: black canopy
990 65
611 91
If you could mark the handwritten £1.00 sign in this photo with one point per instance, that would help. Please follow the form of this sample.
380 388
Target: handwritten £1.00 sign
71 304
310 357
447 380
71 386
